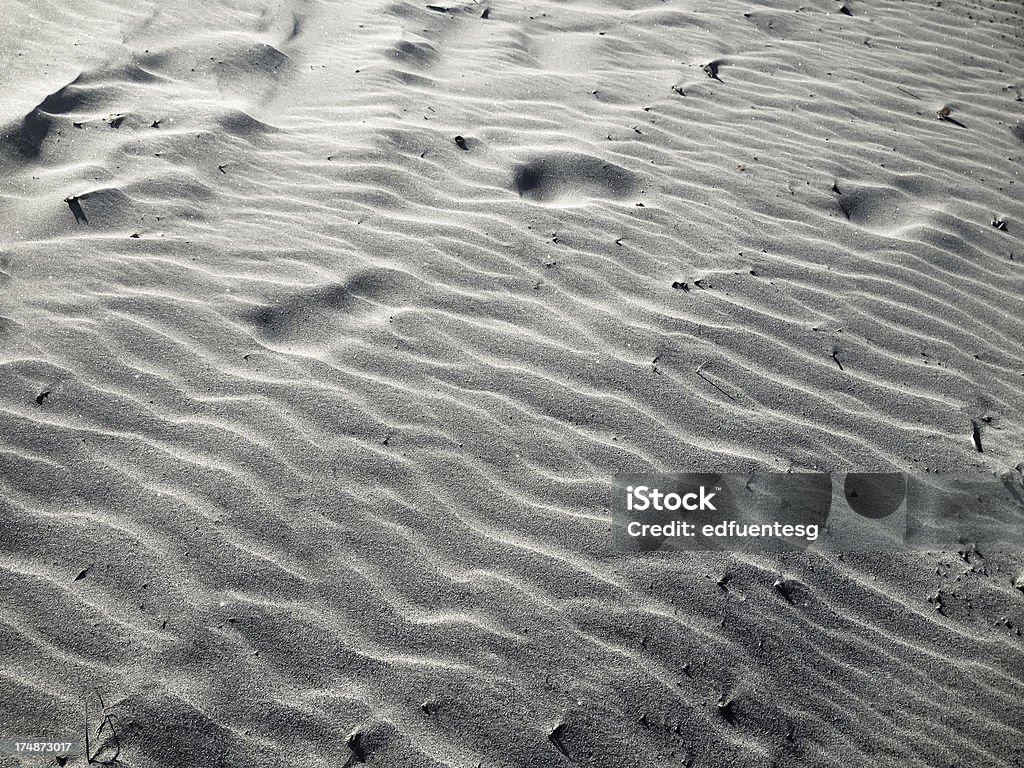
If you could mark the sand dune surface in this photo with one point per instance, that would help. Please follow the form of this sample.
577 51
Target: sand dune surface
326 325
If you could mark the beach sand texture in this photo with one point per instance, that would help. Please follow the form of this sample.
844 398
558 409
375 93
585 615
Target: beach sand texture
309 409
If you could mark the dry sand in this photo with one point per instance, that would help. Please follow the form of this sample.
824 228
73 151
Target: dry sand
309 412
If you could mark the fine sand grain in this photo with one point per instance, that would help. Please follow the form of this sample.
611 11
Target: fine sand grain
324 327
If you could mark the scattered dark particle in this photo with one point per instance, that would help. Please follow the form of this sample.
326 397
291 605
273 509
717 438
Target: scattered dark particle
753 272
41 397
461 143
999 224
783 589
680 286
945 114
222 167
966 552
637 130
845 10
135 236
356 746
76 209
486 14
555 737
976 434
116 122
83 573
727 709
639 205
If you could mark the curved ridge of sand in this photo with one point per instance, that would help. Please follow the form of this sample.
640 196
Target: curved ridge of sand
309 411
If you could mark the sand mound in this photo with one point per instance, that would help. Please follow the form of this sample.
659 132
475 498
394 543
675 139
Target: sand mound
571 177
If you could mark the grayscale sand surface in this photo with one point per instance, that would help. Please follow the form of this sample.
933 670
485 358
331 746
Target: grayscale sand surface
309 412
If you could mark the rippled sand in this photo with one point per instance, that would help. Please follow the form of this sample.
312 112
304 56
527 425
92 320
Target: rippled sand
309 410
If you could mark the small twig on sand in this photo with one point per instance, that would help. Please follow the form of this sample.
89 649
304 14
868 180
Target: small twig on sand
108 721
709 381
88 754
113 732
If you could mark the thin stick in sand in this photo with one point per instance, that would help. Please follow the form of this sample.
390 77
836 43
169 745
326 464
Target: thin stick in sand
700 373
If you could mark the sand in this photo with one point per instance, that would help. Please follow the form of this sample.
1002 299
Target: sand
309 410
